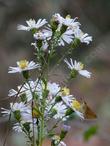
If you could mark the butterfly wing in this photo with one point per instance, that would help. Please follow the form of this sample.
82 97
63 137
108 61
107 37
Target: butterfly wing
88 113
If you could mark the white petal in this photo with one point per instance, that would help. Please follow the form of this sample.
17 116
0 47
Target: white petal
85 73
22 27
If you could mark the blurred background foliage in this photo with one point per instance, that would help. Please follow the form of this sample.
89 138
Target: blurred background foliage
94 15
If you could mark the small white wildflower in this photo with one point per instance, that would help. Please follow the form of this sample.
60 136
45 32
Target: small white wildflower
78 66
32 24
68 99
43 35
77 107
27 115
5 112
14 107
33 86
12 92
23 65
58 18
71 23
62 144
18 107
83 37
25 111
17 128
61 110
71 102
66 127
44 46
67 37
53 88
34 44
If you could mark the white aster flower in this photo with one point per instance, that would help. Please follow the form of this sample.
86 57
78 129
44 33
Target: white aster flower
14 107
77 66
44 46
53 88
48 33
83 37
62 144
34 44
26 116
32 24
61 109
67 37
33 86
77 107
43 35
71 102
23 65
17 128
5 112
68 99
25 111
71 23
18 107
12 92
58 18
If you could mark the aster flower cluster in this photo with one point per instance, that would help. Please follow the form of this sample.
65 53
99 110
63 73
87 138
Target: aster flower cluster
38 102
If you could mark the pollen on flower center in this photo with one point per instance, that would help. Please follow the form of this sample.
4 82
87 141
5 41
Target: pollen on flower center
56 137
76 104
23 64
81 65
68 16
65 91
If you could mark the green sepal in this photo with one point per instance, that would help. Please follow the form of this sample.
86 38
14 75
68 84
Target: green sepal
75 43
26 74
54 25
54 112
39 43
45 93
23 97
34 30
73 73
69 112
35 96
58 99
63 29
63 134
17 115
27 126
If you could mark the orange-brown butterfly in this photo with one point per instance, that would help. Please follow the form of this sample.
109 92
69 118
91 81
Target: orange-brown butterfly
87 111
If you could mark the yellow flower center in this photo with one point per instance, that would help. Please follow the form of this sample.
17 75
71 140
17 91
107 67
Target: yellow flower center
76 104
68 16
81 65
56 137
23 64
65 91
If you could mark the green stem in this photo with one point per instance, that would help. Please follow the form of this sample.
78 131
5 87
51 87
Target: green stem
41 132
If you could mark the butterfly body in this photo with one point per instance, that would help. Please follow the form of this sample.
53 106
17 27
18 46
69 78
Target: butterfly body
87 111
